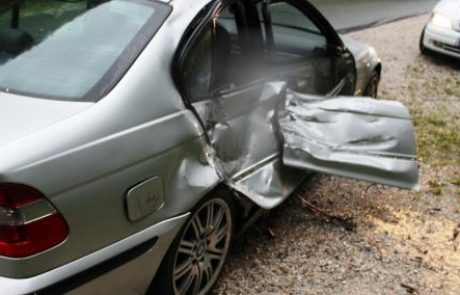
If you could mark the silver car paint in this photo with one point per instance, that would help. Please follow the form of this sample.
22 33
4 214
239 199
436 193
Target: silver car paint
366 62
360 138
141 130
24 116
125 280
246 142
144 199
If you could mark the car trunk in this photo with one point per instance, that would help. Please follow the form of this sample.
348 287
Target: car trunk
20 116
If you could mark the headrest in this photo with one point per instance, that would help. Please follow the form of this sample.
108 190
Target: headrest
14 41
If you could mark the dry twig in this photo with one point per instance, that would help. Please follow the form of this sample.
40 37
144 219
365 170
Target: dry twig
376 245
346 223
409 289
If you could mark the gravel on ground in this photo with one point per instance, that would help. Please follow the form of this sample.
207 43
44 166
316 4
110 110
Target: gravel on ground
339 236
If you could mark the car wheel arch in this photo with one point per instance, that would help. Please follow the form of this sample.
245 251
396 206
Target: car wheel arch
235 201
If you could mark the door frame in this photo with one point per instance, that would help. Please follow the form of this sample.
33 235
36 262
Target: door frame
207 17
317 18
336 47
285 179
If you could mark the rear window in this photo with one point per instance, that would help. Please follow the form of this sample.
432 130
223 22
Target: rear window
72 49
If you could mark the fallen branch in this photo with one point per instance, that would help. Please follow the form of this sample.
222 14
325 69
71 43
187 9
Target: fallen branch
271 233
376 245
344 222
455 236
409 289
314 208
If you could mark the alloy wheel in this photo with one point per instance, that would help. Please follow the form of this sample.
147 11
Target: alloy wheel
203 248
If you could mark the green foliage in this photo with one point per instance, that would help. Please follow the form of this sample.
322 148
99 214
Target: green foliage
438 141
437 123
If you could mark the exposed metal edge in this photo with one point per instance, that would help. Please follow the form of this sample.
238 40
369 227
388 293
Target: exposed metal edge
263 201
14 286
402 184
256 167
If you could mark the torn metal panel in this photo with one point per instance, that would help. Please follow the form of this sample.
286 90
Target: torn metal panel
242 128
359 138
269 186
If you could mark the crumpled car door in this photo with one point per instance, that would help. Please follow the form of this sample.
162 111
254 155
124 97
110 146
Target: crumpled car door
359 138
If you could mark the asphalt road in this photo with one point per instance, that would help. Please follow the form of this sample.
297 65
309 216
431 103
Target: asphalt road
352 15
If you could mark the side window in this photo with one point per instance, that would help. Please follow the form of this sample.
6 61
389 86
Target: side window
198 67
294 33
216 61
229 71
297 48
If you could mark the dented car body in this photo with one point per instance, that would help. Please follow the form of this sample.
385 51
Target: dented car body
129 153
359 138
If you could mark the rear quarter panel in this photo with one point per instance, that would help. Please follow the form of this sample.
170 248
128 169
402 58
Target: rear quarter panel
86 163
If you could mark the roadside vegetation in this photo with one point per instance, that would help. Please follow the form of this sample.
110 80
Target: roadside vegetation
435 111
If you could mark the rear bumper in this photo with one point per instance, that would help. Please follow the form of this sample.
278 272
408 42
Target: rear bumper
441 40
101 272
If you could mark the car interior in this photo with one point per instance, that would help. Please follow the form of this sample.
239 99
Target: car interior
25 23
73 44
13 42
219 50
299 54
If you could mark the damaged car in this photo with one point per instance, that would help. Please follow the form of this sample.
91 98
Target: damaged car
137 138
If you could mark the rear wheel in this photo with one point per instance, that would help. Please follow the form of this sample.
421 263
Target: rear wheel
372 88
195 260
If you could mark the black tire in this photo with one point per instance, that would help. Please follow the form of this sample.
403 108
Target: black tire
372 87
422 47
190 258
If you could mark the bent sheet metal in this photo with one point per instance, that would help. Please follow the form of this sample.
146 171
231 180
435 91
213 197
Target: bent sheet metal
242 128
360 138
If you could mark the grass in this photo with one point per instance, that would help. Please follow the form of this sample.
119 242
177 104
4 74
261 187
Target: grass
437 187
456 178
435 106
438 141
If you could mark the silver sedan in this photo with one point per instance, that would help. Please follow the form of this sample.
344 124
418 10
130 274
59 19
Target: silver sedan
138 137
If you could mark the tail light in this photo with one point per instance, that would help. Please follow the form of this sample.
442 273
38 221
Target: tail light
29 224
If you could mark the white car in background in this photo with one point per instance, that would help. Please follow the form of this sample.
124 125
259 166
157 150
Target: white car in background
442 32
